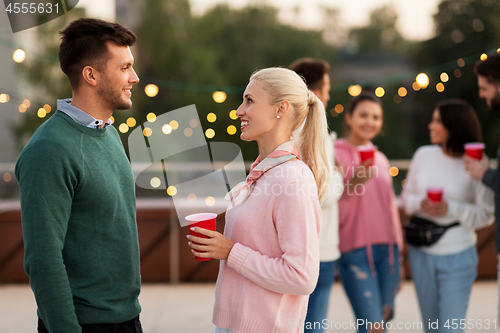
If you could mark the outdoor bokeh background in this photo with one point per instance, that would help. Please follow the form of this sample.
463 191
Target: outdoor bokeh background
189 50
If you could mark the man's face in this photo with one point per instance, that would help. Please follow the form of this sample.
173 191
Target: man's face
490 92
324 93
117 78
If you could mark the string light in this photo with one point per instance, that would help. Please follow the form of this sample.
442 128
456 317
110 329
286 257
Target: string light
440 87
209 133
461 62
193 123
402 92
379 92
131 122
354 90
19 55
167 129
422 80
174 124
188 132
394 171
47 108
123 128
151 117
151 90
41 113
155 182
171 190
4 98
484 56
147 132
211 117
444 77
457 73
233 115
219 96
231 130
210 201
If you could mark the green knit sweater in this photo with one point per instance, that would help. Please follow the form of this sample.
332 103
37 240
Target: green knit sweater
79 225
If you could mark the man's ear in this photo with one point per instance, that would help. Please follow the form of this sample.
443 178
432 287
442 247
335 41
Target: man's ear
90 75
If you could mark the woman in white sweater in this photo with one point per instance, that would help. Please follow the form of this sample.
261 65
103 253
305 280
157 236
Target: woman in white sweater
444 272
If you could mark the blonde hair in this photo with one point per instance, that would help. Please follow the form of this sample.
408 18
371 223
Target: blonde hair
283 84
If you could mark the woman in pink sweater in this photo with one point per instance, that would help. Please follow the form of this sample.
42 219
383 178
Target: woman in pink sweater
369 226
270 248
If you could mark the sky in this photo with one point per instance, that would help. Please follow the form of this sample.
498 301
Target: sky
415 16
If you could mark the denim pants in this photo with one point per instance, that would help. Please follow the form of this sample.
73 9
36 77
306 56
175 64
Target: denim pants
443 284
369 294
131 326
318 300
222 330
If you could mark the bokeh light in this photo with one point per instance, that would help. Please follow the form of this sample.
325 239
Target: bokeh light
394 171
379 92
7 177
47 108
174 124
131 122
211 117
4 98
123 128
147 132
461 62
484 56
440 87
339 108
209 133
19 55
151 90
188 132
171 190
41 113
415 86
422 80
402 92
354 90
193 123
231 130
210 201
155 182
444 77
219 96
151 117
167 129
457 73
233 115
192 197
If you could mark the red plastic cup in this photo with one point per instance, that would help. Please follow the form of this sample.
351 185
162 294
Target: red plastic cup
474 150
435 194
202 220
366 152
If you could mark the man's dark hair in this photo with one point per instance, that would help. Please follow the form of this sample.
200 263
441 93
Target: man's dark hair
84 44
312 70
461 121
489 68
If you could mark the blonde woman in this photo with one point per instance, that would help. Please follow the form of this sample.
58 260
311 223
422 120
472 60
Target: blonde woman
270 248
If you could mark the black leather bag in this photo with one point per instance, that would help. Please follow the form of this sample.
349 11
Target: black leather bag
422 232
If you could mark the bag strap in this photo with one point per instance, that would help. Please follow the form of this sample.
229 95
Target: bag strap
451 225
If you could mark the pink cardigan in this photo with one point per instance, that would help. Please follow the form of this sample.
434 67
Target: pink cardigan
265 283
371 215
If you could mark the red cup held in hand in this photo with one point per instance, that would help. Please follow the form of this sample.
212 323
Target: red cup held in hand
202 220
435 194
367 152
474 150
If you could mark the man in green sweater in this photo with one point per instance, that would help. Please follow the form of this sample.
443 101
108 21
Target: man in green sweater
78 192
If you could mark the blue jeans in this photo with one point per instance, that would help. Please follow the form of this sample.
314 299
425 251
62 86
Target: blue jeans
318 300
222 330
443 284
369 294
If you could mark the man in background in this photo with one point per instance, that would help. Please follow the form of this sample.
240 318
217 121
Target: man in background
316 74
